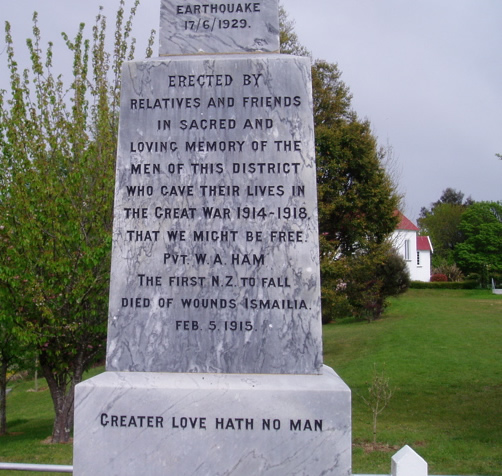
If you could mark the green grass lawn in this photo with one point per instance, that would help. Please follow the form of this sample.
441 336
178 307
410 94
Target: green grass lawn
29 422
442 351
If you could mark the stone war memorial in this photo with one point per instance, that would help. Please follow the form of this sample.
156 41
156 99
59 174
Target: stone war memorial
214 354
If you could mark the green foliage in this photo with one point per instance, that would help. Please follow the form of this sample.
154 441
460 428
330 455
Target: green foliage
356 197
481 251
332 99
394 274
356 202
449 196
364 281
451 271
443 226
466 236
57 164
289 41
469 284
442 223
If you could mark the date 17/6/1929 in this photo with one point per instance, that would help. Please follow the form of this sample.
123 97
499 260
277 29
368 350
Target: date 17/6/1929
215 24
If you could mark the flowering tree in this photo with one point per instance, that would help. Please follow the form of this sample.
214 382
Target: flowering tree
57 163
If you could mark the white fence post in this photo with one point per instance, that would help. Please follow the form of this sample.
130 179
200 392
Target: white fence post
408 463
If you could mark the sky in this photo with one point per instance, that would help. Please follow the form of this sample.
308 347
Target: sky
427 75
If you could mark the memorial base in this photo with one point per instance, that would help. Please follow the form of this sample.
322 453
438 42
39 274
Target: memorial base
212 424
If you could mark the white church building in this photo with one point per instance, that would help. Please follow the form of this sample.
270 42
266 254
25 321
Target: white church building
416 250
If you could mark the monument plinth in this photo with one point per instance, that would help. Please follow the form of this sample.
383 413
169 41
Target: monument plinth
214 356
201 26
206 424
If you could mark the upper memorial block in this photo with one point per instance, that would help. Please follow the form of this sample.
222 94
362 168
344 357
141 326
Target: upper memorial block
218 26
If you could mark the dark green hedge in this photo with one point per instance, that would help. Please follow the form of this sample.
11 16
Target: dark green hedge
443 285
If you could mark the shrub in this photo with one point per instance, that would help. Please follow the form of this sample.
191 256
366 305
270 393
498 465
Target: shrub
451 271
438 277
359 285
335 305
444 285
373 278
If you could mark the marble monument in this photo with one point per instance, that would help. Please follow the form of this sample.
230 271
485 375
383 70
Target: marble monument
214 353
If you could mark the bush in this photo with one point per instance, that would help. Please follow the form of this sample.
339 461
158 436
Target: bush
451 271
359 285
373 277
485 281
444 285
335 305
438 277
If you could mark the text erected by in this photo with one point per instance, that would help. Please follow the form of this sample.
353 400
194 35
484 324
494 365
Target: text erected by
215 242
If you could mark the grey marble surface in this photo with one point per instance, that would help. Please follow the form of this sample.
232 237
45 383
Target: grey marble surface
215 262
212 424
208 26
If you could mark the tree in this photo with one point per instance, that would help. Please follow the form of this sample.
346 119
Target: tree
395 277
442 223
379 396
332 97
443 227
288 38
366 279
356 197
57 165
450 196
481 251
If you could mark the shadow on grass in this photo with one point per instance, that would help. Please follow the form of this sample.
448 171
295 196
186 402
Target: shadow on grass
18 421
25 432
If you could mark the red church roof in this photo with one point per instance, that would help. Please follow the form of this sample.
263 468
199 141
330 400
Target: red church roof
424 243
405 224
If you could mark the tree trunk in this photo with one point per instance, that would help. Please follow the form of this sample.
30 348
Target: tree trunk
375 416
62 389
3 398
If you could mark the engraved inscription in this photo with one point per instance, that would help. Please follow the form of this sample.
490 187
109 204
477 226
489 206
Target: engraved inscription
216 215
